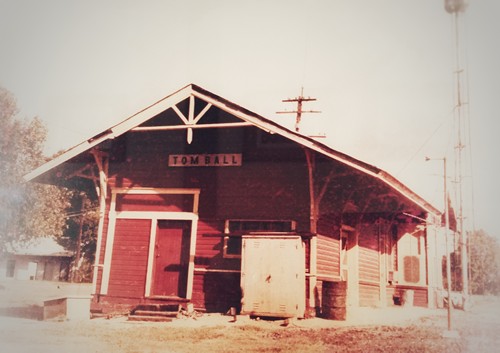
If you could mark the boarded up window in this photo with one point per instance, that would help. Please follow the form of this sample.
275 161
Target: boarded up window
411 269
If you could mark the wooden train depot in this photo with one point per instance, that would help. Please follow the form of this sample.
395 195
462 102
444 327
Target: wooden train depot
205 204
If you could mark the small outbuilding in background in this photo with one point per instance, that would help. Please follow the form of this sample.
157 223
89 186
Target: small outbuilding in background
40 259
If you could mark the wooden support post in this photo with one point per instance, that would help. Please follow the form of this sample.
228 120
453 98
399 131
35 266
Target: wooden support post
313 220
383 260
102 165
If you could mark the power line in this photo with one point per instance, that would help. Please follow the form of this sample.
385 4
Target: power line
426 141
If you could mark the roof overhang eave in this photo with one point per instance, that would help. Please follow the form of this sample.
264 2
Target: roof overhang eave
244 114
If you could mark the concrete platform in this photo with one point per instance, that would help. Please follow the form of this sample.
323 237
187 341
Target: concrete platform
67 308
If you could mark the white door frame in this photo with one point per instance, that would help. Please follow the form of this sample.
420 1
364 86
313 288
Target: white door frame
154 217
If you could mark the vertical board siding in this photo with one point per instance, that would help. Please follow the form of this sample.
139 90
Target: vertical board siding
130 257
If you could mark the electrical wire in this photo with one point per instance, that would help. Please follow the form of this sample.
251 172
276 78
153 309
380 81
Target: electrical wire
426 141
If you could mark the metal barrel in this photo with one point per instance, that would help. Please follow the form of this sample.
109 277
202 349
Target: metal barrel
333 300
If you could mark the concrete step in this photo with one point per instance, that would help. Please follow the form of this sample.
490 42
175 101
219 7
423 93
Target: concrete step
149 318
158 307
155 313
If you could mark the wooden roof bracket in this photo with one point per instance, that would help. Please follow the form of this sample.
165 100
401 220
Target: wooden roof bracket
102 161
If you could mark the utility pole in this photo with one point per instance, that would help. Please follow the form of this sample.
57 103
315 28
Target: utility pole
314 198
300 99
450 332
448 259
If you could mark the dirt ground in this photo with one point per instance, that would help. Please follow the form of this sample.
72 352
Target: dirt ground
365 330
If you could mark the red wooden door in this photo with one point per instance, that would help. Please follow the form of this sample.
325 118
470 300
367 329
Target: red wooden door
171 258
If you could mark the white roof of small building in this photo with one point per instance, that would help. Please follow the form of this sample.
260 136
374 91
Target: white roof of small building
43 246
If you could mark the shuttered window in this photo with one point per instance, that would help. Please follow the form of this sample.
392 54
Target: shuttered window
411 269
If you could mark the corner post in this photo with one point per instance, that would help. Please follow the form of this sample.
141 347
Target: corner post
102 163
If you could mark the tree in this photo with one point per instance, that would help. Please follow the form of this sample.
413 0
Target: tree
27 210
484 261
80 234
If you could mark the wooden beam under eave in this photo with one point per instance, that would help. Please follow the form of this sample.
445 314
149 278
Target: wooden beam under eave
79 172
182 127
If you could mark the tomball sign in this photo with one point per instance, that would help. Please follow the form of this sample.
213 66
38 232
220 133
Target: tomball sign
205 160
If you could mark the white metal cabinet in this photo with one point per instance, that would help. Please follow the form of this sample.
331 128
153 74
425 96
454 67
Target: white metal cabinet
273 275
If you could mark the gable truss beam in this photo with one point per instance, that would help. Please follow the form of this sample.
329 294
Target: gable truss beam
182 127
190 119
190 122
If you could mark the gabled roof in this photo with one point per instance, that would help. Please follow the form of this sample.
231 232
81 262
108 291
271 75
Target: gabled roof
245 115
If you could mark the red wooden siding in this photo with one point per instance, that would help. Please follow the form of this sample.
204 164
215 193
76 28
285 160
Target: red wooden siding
154 202
216 291
209 247
395 294
269 185
209 242
213 289
328 256
420 297
369 294
259 189
130 257
369 262
369 266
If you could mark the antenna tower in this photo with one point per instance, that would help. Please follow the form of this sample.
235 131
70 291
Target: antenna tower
456 8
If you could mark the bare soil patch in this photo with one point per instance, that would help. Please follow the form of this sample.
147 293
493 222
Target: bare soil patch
367 330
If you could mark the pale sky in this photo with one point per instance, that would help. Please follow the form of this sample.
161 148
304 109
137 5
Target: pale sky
382 71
